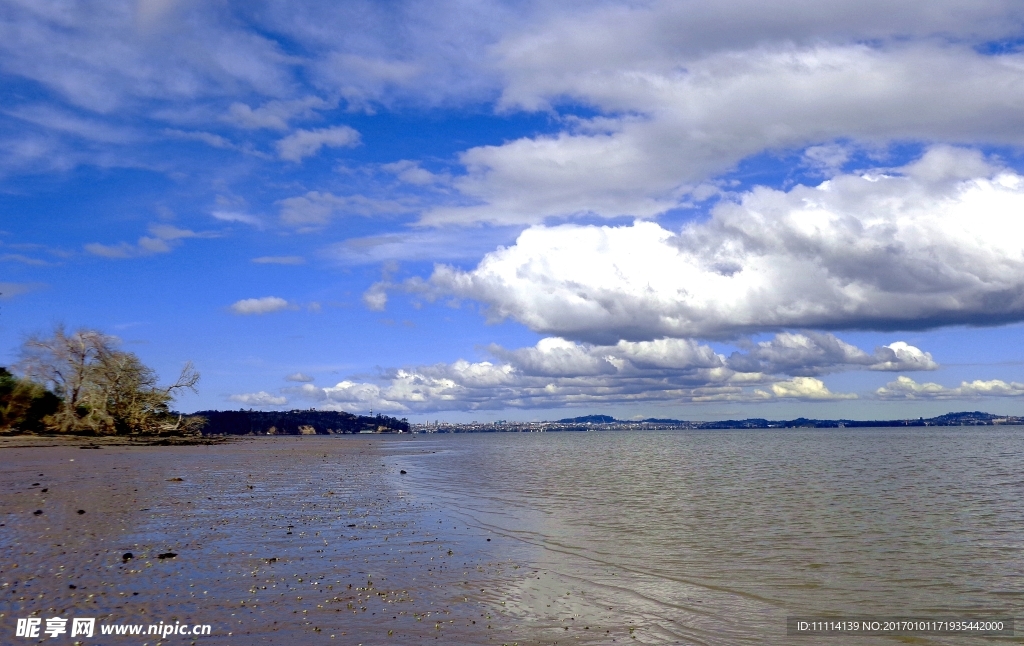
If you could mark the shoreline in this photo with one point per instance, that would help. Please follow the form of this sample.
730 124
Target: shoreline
276 541
33 440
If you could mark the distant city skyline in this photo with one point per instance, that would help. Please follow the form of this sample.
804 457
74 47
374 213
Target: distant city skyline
526 211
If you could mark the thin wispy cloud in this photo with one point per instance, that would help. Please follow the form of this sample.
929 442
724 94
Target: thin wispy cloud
20 258
305 143
316 209
279 260
163 238
259 399
9 290
233 216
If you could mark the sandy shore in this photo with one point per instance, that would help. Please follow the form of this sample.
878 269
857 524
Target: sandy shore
274 541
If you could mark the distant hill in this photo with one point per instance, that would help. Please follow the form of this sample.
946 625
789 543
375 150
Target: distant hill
297 422
589 419
966 418
609 423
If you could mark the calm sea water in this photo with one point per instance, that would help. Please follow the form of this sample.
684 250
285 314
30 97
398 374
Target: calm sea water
715 537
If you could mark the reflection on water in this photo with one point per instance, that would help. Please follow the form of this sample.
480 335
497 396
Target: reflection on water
714 537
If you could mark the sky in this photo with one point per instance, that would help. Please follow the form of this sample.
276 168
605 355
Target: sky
468 210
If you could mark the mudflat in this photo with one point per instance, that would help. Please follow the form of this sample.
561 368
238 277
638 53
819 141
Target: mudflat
268 540
702 537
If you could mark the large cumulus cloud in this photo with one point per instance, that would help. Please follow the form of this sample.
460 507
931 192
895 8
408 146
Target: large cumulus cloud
938 242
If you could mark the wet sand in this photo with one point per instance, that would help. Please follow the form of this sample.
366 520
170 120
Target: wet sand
698 538
275 540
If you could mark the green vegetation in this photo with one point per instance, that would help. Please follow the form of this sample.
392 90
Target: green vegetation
80 383
24 404
298 422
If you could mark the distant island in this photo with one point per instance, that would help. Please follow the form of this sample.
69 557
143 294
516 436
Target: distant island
318 422
608 423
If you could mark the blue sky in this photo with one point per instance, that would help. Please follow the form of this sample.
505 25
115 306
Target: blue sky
485 210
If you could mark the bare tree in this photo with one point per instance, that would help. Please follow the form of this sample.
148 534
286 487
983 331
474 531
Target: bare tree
65 363
104 390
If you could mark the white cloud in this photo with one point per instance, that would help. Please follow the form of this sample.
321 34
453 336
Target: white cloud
27 260
264 305
570 42
315 209
233 216
668 125
937 242
671 82
349 395
422 244
811 353
411 172
107 57
376 297
300 377
304 143
806 353
907 388
213 140
262 398
9 290
274 115
261 67
63 121
807 389
556 357
162 239
279 260
208 138
827 158
127 53
900 356
556 372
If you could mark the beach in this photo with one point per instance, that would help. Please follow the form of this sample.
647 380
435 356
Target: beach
275 541
677 538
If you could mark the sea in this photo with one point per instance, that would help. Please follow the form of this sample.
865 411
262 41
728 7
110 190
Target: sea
717 537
